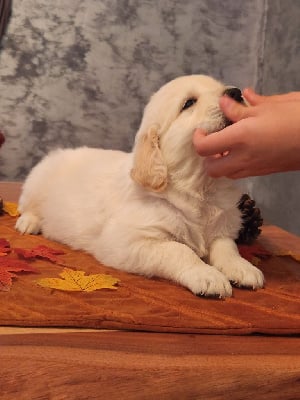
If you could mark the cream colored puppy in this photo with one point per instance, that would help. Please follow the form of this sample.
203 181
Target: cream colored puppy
153 211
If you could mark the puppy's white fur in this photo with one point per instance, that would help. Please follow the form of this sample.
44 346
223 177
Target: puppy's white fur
153 211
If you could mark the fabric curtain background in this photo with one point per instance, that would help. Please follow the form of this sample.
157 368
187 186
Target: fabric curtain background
80 72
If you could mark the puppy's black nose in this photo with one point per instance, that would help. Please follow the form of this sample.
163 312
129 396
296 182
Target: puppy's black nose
234 93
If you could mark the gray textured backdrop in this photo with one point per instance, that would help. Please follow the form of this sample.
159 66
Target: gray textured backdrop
76 72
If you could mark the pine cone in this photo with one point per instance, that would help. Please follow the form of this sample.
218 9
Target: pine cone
251 221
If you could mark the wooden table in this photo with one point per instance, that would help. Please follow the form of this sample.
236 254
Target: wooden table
84 364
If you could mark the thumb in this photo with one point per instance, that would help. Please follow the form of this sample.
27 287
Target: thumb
234 111
252 97
198 134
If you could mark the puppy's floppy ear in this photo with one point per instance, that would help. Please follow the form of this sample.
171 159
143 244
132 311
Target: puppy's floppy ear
149 168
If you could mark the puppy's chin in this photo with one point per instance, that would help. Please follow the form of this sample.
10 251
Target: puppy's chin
227 122
211 127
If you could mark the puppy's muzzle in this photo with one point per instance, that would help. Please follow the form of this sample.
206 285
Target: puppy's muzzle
234 93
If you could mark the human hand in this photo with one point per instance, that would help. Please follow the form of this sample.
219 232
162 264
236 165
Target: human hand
264 139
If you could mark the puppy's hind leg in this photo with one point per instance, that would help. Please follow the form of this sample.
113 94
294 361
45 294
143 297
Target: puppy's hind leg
29 203
177 262
28 223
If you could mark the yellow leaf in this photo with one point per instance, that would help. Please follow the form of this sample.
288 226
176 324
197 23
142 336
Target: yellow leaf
79 282
287 253
11 208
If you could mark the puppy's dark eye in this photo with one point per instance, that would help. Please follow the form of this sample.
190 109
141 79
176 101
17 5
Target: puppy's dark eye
189 103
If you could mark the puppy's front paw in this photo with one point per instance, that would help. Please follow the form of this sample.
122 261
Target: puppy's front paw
28 223
241 273
206 281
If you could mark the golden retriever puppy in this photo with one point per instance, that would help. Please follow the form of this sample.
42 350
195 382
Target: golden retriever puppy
154 211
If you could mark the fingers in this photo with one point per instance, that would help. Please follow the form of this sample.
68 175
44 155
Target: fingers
292 96
223 166
207 145
234 111
254 99
215 143
222 142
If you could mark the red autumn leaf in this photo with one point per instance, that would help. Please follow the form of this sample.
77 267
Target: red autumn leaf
9 265
253 252
4 247
41 251
6 280
15 265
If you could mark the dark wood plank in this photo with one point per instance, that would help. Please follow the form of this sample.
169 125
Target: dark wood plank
132 365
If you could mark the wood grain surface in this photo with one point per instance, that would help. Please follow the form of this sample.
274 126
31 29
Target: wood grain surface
134 365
